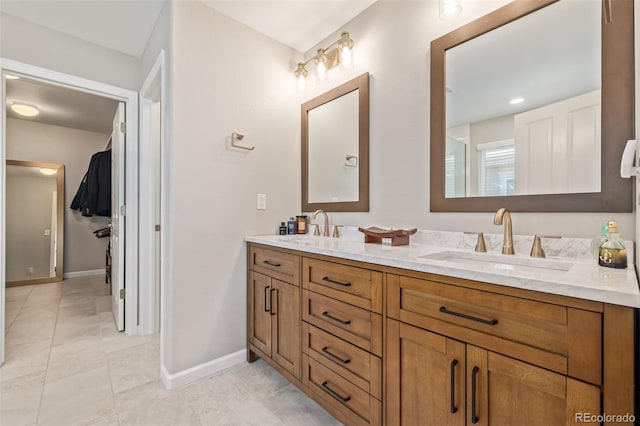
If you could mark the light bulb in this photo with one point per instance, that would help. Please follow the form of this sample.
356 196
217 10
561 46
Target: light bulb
346 60
48 172
25 110
450 8
302 82
321 71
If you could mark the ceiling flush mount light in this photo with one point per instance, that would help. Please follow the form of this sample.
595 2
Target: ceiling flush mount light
450 8
338 53
48 172
516 101
25 110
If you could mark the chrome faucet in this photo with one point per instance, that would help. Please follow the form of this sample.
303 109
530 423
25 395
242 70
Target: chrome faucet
507 244
325 231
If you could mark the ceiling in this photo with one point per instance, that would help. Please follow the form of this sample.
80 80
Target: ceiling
126 25
61 106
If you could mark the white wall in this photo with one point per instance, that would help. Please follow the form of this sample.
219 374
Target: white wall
225 77
29 141
392 43
33 44
160 39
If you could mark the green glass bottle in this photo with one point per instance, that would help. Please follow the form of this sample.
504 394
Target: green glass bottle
613 253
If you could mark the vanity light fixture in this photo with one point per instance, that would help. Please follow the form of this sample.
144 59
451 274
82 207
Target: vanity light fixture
450 8
337 53
25 110
516 101
48 172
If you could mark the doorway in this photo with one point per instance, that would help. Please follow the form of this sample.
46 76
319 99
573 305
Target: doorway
129 170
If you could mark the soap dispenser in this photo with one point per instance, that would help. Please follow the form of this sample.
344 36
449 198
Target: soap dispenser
613 253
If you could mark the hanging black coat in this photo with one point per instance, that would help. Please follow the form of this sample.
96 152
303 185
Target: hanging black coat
94 194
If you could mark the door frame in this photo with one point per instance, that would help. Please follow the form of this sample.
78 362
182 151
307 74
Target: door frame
130 98
153 90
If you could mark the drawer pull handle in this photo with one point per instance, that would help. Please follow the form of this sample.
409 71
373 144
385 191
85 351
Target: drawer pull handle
270 263
336 357
334 393
265 300
329 280
454 409
326 314
444 310
271 301
474 375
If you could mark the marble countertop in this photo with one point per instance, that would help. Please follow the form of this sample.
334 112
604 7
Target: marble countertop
584 279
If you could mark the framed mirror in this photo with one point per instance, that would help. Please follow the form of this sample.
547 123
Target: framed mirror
35 222
335 149
531 107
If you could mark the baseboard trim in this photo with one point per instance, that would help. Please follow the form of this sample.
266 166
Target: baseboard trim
190 375
89 273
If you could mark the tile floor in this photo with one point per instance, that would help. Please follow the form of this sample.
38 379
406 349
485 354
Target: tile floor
67 365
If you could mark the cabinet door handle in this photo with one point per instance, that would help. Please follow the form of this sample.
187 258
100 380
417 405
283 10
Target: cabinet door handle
329 280
336 357
326 314
268 262
265 300
271 301
334 393
454 409
444 310
474 375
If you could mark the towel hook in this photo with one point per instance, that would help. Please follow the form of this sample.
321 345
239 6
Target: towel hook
239 136
349 163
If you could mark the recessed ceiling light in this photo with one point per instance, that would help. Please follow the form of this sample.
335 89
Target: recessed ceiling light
48 172
26 110
11 77
516 101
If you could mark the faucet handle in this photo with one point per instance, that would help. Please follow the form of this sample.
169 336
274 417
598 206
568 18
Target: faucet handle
536 248
316 232
336 231
480 245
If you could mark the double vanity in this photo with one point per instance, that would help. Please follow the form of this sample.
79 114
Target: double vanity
434 333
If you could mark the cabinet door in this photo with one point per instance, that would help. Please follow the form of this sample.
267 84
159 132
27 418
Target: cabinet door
504 391
425 377
260 312
286 350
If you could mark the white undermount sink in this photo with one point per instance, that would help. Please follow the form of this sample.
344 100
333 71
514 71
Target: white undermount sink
501 262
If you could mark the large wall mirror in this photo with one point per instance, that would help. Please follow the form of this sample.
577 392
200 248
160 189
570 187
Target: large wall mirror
335 149
35 222
531 106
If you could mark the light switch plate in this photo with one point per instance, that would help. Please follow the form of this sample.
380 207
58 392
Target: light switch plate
261 202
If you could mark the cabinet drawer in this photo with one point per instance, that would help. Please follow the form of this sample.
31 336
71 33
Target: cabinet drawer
356 365
355 405
562 339
274 263
356 325
357 286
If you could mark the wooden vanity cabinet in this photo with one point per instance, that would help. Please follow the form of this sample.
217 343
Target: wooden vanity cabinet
453 351
459 353
274 308
342 339
435 380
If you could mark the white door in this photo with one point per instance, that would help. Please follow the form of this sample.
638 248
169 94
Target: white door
118 217
557 147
